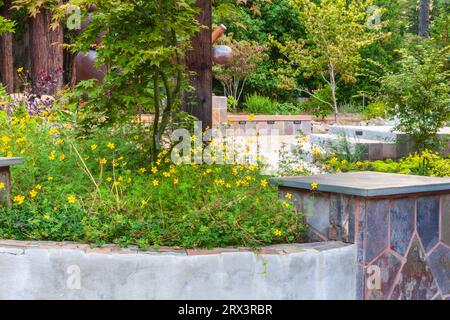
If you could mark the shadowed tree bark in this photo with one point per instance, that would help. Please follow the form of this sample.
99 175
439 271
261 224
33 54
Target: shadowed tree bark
424 18
6 53
46 53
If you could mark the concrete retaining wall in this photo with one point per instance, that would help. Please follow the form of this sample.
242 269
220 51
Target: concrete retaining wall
71 271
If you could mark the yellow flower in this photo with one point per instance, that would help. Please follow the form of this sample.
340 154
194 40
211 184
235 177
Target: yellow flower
103 161
142 170
264 183
71 199
53 131
59 141
19 199
33 194
51 157
154 169
333 160
251 117
344 162
286 204
155 183
314 186
316 152
288 196
144 203
228 186
2 185
193 138
20 70
277 232
47 216
109 179
166 174
62 157
49 178
304 139
175 181
111 145
93 147
9 154
38 187
136 138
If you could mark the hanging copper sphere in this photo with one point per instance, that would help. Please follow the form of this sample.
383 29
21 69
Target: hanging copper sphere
222 54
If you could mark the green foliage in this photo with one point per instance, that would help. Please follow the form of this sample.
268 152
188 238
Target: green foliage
257 104
426 163
144 51
377 109
419 94
233 76
101 189
336 31
6 25
320 103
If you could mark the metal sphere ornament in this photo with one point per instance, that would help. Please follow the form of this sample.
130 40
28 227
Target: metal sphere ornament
222 54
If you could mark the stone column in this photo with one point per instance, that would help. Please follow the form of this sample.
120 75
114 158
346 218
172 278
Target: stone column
399 223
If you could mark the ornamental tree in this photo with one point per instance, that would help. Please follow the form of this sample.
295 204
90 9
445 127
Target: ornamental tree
144 48
246 57
336 31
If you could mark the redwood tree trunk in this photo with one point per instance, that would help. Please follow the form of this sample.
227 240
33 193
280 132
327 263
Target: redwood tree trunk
46 52
424 18
199 62
6 53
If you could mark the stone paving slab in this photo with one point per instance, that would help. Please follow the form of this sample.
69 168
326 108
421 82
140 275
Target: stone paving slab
367 184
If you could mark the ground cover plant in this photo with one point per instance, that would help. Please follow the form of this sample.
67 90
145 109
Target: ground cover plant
101 188
426 163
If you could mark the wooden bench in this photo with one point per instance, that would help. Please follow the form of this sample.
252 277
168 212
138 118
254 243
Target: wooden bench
5 178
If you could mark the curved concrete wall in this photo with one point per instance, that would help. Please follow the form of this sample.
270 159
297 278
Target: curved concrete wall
57 271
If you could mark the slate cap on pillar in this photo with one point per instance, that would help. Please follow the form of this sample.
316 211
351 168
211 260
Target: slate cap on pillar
366 184
6 162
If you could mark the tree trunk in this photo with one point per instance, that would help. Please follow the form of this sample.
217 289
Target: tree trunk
424 18
333 93
199 61
46 52
6 53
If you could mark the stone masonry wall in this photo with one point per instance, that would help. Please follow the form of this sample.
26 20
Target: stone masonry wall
406 238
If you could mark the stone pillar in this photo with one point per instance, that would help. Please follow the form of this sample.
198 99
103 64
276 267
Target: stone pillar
399 223
219 110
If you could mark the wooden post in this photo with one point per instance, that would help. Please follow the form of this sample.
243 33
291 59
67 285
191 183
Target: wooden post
5 182
5 178
199 62
6 52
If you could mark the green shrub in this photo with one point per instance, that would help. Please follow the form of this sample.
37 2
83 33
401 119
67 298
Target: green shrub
320 104
377 109
426 163
419 93
101 188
